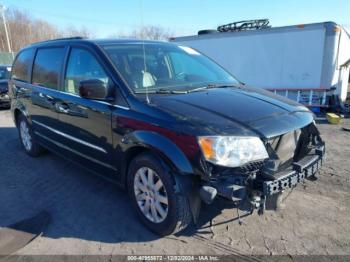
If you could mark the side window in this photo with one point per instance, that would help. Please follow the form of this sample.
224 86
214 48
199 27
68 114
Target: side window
82 65
47 66
22 64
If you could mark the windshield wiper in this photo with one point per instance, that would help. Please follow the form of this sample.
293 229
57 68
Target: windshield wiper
224 86
209 86
168 91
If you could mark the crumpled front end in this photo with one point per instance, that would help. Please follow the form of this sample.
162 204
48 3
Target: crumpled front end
4 96
293 157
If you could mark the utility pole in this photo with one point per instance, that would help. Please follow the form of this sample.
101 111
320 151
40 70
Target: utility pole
2 10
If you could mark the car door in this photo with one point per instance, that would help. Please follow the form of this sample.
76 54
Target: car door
45 82
20 78
85 125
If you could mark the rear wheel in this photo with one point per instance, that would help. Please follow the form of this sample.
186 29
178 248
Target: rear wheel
26 137
152 193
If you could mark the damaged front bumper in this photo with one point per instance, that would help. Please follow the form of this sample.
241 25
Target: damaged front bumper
296 173
5 100
257 188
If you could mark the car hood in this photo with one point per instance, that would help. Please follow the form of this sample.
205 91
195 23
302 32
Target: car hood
235 111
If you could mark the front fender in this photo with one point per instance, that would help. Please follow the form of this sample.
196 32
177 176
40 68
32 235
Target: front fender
160 144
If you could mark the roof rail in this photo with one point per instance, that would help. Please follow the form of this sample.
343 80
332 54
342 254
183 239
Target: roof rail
60 39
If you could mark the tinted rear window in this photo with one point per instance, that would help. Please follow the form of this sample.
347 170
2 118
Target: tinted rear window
47 67
22 64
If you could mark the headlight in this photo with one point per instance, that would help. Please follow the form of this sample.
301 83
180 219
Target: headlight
232 151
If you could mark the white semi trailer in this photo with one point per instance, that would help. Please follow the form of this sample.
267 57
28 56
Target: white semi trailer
307 63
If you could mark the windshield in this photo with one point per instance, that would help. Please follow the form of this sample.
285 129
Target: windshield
165 67
5 73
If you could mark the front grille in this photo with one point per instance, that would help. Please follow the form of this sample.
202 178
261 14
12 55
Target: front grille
293 146
285 146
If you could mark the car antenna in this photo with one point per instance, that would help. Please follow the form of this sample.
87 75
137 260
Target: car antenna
143 49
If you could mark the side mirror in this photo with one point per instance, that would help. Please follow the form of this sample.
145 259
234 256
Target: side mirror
95 89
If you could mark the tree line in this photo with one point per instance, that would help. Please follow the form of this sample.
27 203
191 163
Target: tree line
24 29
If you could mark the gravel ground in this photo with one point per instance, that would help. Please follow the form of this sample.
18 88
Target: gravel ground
93 216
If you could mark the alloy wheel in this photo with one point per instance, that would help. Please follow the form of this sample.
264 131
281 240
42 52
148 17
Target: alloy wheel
25 136
150 194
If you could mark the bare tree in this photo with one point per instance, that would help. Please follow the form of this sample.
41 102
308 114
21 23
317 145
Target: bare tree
150 33
71 31
24 30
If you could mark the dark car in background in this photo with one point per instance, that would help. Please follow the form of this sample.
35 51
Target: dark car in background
5 71
163 121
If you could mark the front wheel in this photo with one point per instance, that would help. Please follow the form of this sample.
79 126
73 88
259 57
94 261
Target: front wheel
152 193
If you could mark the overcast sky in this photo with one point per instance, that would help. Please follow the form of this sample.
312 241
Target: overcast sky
110 17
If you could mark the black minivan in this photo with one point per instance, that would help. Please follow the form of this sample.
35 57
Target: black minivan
163 121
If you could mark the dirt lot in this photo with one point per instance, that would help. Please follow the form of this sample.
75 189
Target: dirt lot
92 216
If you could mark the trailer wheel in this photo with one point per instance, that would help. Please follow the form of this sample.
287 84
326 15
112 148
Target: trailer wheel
207 31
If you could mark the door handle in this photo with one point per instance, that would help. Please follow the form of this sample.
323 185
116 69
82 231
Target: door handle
19 89
62 108
46 97
49 98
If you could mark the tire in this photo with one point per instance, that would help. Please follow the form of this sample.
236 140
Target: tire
28 143
178 215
